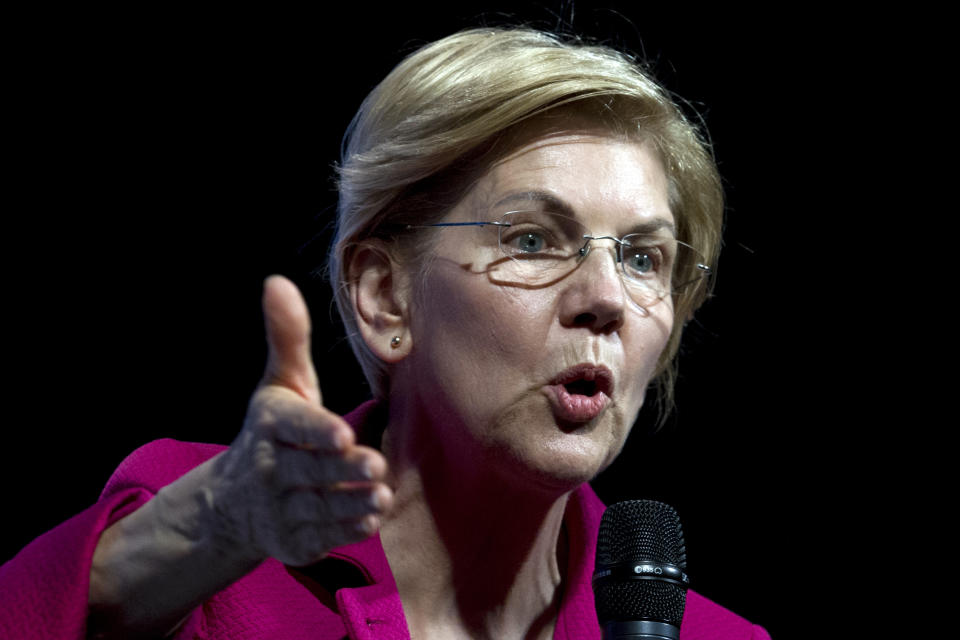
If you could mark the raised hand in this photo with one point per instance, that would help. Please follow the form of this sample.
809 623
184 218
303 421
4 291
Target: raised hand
294 484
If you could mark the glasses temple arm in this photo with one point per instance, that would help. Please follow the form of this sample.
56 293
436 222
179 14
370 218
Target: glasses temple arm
458 224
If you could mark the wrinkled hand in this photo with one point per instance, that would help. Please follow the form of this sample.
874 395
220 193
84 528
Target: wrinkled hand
294 484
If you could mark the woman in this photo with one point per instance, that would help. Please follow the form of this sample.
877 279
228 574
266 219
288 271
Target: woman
524 227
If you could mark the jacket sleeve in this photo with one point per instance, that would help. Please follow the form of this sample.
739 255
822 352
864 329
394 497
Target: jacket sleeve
44 589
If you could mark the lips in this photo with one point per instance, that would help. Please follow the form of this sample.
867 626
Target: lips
580 393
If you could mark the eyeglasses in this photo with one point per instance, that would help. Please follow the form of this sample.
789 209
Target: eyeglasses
537 248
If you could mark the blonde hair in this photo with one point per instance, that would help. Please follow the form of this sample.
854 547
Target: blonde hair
429 125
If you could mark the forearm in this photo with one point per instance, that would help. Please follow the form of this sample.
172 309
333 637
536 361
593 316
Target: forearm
153 567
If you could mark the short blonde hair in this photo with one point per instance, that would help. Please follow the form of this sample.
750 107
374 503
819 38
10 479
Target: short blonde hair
430 124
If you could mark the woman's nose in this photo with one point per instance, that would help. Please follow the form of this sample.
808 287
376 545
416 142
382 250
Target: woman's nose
594 296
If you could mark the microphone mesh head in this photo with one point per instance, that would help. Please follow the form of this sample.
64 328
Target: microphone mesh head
638 530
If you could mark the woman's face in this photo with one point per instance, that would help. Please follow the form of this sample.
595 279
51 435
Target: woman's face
542 382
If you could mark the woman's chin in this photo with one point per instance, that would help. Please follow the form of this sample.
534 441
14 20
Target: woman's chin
531 447
557 466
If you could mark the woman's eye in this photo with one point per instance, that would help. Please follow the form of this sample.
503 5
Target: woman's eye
641 262
528 242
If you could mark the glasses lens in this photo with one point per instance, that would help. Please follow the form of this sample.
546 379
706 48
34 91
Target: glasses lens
544 247
648 263
655 267
541 247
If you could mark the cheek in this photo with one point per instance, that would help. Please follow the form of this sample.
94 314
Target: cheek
522 322
652 340
490 328
645 336
500 329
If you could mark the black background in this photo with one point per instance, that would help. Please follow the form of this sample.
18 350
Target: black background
165 163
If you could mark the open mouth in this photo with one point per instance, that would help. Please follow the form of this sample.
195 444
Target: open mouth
581 393
586 380
581 387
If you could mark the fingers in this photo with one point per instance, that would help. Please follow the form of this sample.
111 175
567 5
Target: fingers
300 447
287 324
296 468
310 522
347 505
309 541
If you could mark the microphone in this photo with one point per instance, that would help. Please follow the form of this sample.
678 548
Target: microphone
640 576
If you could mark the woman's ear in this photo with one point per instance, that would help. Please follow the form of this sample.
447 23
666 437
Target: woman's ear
379 295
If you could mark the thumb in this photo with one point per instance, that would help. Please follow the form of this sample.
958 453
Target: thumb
287 323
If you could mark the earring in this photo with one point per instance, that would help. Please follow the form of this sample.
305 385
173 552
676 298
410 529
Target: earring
395 341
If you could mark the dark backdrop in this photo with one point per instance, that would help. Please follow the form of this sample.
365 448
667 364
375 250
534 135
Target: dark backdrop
165 163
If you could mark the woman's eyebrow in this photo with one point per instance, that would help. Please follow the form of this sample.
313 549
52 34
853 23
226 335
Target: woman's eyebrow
558 205
551 201
652 226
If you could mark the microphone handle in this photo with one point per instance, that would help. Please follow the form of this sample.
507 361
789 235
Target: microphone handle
640 630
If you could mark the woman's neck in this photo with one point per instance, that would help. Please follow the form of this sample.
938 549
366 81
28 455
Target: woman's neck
473 554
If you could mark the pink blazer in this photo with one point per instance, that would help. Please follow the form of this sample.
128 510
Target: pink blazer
352 593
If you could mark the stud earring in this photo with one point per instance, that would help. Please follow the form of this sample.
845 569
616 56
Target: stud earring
395 341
